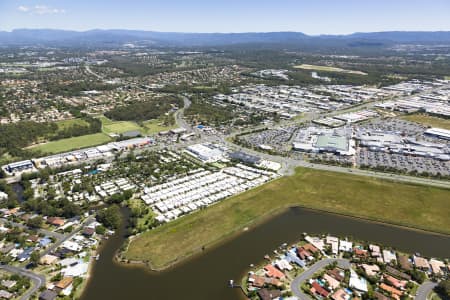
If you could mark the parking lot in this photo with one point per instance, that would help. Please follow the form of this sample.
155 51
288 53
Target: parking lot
402 162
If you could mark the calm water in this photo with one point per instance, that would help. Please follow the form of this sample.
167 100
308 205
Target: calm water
206 276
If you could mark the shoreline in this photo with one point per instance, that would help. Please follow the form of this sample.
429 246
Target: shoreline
91 264
118 258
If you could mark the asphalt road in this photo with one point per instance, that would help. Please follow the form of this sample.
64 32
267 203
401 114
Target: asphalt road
424 290
37 280
308 273
179 115
43 231
58 243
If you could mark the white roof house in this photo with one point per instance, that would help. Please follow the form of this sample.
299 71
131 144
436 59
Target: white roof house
358 283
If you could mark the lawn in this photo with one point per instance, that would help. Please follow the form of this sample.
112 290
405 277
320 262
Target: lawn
73 143
155 126
328 69
110 126
447 77
375 199
428 120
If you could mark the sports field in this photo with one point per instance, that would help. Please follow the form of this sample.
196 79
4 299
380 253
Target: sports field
327 69
73 143
428 120
375 199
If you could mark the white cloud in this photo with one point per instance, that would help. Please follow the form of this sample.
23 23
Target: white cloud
41 10
23 8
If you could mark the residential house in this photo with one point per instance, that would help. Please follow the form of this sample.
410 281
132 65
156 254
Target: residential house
397 273
380 296
340 295
266 294
395 293
9 283
283 264
64 286
345 246
437 266
357 283
257 281
55 221
375 250
389 257
304 254
317 289
6 295
3 196
48 259
271 271
312 248
316 242
334 242
399 284
88 231
337 274
370 270
332 282
421 263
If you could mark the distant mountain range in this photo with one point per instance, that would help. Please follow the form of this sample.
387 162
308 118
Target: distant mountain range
117 36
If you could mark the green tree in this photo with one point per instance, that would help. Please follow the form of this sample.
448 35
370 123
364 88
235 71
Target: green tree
35 222
110 217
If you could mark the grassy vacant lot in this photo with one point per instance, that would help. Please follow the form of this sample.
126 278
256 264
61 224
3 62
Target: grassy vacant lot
404 204
73 143
154 126
428 120
148 127
68 123
328 69
110 126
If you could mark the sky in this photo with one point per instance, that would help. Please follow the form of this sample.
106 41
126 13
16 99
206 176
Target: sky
309 16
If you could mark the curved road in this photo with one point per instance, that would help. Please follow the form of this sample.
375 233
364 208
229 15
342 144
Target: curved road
180 114
424 290
308 273
37 279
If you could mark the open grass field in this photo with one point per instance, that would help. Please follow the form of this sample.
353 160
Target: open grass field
154 126
148 127
73 143
447 77
68 123
386 201
328 69
110 126
428 120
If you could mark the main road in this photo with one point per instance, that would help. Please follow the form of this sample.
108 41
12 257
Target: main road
308 273
179 115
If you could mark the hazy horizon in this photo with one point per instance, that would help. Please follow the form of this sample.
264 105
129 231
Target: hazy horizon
323 17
